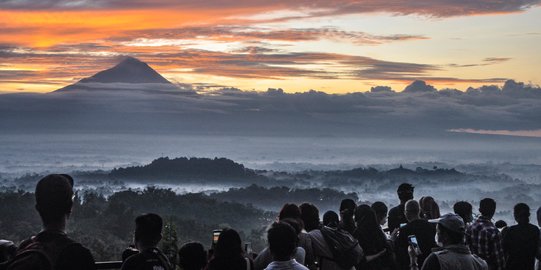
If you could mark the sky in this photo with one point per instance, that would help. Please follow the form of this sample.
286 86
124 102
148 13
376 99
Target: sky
330 46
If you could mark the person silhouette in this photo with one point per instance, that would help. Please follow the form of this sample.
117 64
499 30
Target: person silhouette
192 256
520 241
229 254
52 248
484 239
396 214
282 239
148 233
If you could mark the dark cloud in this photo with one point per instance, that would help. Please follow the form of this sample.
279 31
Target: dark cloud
485 62
251 62
381 89
419 87
420 109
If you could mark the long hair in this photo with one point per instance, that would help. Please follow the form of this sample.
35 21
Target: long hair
429 208
228 253
229 245
368 232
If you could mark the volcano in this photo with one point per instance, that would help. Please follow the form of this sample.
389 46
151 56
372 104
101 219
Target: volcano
129 74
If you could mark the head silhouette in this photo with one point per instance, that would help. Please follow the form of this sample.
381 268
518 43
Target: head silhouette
365 217
192 256
500 224
54 198
412 210
487 207
521 212
429 207
295 223
148 230
347 208
450 229
289 210
309 216
405 192
330 219
464 210
381 212
282 240
229 245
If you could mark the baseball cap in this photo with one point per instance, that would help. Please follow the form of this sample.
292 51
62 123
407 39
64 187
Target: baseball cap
452 222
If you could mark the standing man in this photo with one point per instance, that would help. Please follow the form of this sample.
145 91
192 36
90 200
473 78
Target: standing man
396 214
423 231
52 248
520 242
148 233
282 239
484 239
455 255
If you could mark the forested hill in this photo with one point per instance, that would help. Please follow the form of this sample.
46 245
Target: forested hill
184 168
396 172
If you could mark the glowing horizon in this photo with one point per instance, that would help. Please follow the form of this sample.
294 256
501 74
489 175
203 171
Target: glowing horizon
335 47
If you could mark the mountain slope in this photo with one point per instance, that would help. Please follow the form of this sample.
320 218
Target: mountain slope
130 70
129 74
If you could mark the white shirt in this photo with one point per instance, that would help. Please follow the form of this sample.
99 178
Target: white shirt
264 258
286 265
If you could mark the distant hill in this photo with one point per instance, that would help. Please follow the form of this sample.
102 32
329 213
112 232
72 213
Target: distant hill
187 169
226 171
396 172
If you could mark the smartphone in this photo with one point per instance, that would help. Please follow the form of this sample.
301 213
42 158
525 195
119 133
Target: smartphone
402 224
215 236
412 240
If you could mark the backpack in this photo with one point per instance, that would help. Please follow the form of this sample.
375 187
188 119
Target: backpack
34 255
345 249
155 259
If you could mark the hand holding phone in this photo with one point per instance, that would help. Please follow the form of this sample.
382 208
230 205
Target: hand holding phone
412 240
215 237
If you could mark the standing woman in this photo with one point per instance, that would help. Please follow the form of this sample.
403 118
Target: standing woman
429 208
228 254
373 240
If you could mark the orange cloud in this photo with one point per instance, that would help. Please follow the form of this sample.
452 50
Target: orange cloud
48 28
73 39
46 23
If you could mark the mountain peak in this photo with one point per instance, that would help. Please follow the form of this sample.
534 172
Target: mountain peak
129 70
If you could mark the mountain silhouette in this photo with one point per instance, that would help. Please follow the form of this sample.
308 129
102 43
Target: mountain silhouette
128 71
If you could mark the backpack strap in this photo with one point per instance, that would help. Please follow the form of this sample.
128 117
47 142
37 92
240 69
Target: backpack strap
48 252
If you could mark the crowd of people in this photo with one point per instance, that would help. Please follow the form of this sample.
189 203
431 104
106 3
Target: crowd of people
413 235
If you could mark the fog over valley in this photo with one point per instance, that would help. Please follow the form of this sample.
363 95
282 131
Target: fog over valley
136 142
